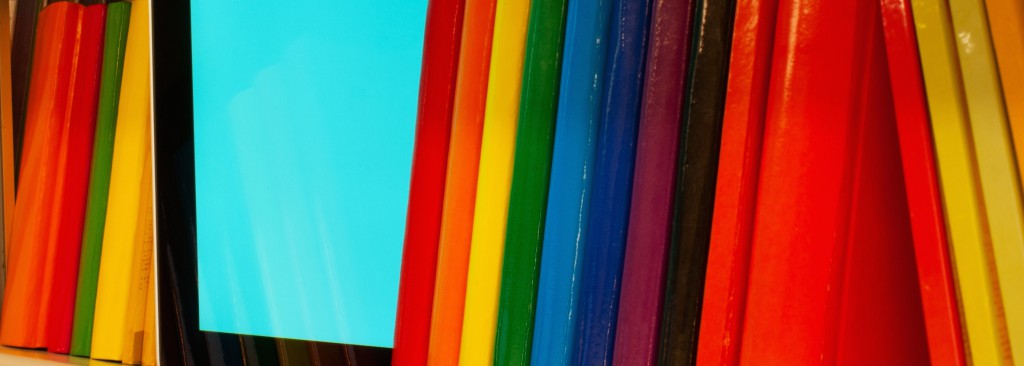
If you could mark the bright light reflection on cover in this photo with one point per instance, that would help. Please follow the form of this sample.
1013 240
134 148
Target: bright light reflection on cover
304 122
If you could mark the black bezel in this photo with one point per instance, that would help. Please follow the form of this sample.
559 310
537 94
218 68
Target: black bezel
180 342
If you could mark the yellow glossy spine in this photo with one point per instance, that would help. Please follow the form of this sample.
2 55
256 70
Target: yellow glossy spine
960 182
494 181
131 144
996 163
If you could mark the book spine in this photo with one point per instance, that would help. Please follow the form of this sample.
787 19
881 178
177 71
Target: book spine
572 162
650 213
1006 23
142 263
127 169
23 42
75 161
993 146
931 246
958 174
115 40
826 239
529 191
612 188
695 180
460 183
6 143
497 151
149 329
31 263
725 293
426 191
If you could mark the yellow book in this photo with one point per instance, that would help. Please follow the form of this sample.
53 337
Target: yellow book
996 163
961 191
6 143
1006 20
142 259
130 154
497 152
149 335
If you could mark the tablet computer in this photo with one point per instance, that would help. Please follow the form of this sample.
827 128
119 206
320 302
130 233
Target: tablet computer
283 145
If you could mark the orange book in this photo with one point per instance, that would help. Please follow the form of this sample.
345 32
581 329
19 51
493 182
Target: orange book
1006 22
460 184
24 315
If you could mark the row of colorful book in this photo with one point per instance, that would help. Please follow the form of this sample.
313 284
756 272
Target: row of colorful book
77 191
717 182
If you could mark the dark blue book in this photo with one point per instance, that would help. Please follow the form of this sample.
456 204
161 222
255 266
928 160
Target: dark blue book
612 185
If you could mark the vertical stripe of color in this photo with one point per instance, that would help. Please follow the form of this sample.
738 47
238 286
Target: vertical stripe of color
830 255
650 212
494 182
149 335
958 174
131 151
426 189
142 263
732 224
23 39
115 38
529 192
460 184
572 163
1006 22
993 146
58 209
695 181
79 133
26 293
613 177
931 247
6 140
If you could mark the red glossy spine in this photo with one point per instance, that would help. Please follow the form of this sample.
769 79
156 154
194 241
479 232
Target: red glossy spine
426 192
938 295
76 161
831 276
725 294
30 269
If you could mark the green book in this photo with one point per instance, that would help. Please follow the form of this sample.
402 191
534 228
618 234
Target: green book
528 198
99 178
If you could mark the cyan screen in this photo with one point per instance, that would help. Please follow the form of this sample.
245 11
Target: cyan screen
304 121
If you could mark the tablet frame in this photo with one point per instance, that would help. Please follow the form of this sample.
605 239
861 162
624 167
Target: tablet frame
179 339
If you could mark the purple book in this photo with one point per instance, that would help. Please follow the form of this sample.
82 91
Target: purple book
650 220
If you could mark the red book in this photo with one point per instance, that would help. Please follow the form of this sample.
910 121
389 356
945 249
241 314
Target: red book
31 265
935 274
426 192
832 274
76 160
739 163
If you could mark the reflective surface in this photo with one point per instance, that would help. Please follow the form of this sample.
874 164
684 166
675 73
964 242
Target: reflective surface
304 123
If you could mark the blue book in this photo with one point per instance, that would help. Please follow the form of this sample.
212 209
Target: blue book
612 186
579 112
